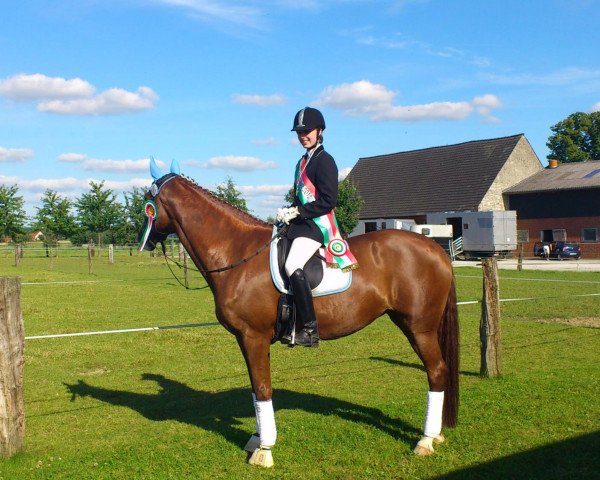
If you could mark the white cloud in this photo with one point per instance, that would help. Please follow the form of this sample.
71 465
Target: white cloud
343 173
110 102
566 76
75 96
15 154
72 157
259 100
72 184
109 165
218 12
596 107
38 87
260 190
265 141
240 163
375 101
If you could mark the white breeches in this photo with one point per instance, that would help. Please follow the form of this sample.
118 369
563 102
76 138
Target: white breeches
300 252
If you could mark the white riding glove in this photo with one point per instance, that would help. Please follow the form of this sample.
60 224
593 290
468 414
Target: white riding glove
285 215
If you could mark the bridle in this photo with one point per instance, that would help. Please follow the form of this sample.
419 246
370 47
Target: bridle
154 191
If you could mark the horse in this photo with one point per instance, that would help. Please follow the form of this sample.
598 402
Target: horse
402 274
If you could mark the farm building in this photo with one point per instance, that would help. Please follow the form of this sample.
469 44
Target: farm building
469 176
561 202
455 179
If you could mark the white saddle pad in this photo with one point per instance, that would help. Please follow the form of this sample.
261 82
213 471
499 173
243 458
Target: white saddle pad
334 280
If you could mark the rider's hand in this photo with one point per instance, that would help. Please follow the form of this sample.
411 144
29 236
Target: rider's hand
285 215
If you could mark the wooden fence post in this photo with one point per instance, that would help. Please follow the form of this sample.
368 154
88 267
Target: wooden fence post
186 280
90 255
12 341
18 254
520 260
111 258
489 326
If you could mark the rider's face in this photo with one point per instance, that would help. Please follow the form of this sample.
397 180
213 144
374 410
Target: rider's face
309 139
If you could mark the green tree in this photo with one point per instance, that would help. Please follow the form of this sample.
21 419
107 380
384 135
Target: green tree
98 210
228 192
576 138
54 217
347 209
133 217
12 214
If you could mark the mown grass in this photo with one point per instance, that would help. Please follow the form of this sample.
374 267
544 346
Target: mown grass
174 404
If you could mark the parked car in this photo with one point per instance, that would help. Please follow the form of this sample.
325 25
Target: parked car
566 250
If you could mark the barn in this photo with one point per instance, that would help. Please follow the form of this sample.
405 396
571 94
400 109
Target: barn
466 177
561 202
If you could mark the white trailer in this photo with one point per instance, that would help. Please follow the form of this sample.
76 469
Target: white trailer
484 234
366 226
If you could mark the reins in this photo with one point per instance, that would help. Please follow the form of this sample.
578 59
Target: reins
279 234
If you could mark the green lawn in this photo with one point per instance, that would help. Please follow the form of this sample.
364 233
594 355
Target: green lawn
176 403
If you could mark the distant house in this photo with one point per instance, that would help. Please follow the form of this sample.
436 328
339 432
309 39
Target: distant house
470 176
36 235
561 202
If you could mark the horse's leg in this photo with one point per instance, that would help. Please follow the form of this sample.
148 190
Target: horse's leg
427 347
255 348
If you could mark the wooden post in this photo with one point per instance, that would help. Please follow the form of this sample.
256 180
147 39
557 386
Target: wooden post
520 261
111 258
12 343
181 252
489 327
186 280
18 254
90 255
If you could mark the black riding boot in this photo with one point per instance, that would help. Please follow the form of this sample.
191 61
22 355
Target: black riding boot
309 335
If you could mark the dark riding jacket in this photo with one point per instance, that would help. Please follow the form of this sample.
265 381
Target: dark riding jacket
323 173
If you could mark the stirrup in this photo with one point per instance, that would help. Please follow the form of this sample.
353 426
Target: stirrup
306 338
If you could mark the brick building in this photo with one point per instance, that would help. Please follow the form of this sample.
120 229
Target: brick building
561 202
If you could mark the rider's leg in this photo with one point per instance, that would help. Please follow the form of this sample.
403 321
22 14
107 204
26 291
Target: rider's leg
300 252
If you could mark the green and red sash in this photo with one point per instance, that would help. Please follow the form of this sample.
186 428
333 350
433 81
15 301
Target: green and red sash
337 252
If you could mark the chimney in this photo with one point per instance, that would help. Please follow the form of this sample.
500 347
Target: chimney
552 163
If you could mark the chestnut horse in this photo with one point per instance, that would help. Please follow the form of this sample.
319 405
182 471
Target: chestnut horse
402 274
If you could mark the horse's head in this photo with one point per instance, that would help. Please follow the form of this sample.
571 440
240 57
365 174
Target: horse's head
157 224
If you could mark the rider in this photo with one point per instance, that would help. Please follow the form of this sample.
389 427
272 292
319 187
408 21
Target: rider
317 167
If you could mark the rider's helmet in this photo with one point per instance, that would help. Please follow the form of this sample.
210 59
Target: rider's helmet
308 119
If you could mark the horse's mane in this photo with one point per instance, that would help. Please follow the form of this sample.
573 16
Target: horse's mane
237 212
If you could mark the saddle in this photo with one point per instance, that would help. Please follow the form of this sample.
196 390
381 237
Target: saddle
322 281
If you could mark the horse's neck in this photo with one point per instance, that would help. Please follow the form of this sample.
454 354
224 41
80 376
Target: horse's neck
213 232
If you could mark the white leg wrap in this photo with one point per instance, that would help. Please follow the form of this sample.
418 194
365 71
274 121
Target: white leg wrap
433 417
266 423
257 430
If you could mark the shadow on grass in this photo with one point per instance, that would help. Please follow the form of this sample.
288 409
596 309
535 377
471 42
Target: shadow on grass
573 458
219 411
416 366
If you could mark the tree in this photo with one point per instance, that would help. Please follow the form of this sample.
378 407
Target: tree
98 210
12 214
229 193
347 209
576 138
53 218
133 217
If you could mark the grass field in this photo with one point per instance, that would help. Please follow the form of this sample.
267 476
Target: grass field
175 404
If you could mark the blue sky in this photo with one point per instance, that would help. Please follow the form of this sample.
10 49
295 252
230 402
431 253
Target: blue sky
90 89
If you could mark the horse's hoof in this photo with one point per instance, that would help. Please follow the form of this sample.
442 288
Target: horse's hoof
253 443
424 447
262 457
439 438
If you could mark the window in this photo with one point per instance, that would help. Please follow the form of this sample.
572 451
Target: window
589 235
383 225
370 227
558 235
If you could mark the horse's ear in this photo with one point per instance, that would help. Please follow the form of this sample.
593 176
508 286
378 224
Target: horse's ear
154 170
175 168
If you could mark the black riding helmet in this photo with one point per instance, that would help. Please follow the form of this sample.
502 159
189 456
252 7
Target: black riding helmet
308 119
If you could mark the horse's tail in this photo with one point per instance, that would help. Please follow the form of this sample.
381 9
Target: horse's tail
448 339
